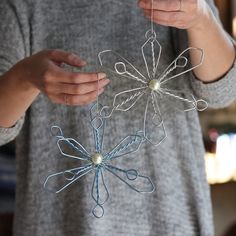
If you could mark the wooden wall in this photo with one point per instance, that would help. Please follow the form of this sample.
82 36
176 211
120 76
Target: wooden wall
225 10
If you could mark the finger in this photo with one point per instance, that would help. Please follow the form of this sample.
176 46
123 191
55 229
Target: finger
170 18
161 22
74 100
161 5
63 76
77 89
60 56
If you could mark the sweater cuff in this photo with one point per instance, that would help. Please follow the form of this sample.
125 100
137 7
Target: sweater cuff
220 93
8 134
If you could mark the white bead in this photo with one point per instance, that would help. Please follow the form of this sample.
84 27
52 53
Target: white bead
154 84
97 158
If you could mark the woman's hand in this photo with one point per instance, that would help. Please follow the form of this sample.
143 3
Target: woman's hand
203 30
182 14
42 71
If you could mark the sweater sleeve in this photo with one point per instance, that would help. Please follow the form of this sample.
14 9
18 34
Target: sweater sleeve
8 134
12 50
222 92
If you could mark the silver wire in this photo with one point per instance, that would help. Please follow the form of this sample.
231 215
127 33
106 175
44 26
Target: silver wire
133 97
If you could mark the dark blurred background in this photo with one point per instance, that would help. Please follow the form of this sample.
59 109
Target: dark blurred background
219 130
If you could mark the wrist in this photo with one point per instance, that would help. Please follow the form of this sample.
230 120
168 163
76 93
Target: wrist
20 78
205 20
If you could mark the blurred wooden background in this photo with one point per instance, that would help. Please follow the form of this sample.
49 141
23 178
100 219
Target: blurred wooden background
224 7
223 195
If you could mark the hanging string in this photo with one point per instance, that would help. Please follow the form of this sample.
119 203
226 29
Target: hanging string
97 101
152 17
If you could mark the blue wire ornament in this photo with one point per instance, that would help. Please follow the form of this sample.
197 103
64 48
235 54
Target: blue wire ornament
98 162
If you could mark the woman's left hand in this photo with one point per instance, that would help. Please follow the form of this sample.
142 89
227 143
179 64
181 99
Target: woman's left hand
182 14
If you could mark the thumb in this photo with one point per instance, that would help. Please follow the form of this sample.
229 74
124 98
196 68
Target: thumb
60 56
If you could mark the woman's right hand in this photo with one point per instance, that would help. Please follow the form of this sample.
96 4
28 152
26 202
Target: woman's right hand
43 72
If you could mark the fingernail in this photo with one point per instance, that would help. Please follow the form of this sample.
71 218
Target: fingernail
82 63
101 75
141 4
101 91
106 81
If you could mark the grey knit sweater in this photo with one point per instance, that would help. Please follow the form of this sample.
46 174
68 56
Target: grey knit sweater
181 203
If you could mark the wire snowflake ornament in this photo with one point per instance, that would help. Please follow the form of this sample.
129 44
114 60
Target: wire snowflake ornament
154 87
98 163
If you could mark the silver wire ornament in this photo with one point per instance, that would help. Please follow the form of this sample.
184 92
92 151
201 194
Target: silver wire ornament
98 162
155 87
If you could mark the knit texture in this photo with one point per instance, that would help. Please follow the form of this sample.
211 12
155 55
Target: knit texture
181 203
